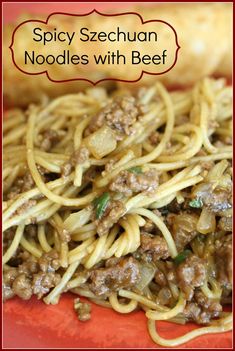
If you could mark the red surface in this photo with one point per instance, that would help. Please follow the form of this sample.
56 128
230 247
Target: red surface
32 324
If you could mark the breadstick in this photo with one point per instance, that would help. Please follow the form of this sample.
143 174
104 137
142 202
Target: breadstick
205 36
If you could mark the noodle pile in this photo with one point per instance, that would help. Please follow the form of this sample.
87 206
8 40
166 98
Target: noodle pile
193 148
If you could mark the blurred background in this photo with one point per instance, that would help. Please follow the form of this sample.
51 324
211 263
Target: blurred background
12 10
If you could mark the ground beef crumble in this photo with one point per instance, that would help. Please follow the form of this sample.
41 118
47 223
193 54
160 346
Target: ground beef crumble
22 286
8 237
128 183
202 309
114 211
191 274
216 200
149 226
224 261
21 185
183 228
120 115
49 138
83 310
121 273
78 157
154 138
160 278
225 223
43 282
25 206
32 276
152 247
49 262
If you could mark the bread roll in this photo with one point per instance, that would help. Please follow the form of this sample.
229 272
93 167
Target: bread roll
204 33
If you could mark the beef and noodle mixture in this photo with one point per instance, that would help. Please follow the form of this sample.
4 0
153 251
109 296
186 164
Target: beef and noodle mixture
124 198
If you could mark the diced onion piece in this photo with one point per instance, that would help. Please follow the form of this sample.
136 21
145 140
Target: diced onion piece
147 272
97 93
217 171
206 223
101 142
164 296
201 190
227 213
225 182
77 220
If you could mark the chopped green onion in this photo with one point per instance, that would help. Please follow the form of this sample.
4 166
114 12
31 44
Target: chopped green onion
196 203
101 204
181 257
136 170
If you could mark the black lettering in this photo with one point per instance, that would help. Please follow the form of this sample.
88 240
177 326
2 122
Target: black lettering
27 56
84 59
143 36
48 59
48 36
156 59
40 57
75 59
62 57
136 57
102 36
146 59
100 59
112 33
152 34
37 34
84 34
118 57
164 56
59 36
93 34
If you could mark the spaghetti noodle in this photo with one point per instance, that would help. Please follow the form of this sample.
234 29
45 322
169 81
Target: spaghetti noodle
125 199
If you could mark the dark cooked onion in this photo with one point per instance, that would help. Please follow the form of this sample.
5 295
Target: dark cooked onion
206 223
147 272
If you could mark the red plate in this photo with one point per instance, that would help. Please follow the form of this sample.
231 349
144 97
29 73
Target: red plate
32 324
